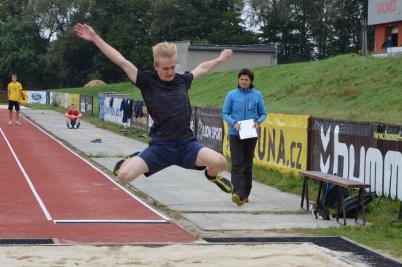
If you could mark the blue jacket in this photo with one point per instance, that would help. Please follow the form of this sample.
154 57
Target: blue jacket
243 104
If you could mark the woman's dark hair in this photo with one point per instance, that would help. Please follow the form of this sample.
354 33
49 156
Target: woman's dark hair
249 73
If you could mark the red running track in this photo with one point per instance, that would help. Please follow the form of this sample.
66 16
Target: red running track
48 191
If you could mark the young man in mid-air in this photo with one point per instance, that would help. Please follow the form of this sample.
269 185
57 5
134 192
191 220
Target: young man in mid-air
165 93
73 117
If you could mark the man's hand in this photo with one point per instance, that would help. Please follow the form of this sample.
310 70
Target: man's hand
256 126
85 32
225 55
206 66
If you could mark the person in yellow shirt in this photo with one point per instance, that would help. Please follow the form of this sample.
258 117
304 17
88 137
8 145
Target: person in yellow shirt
14 89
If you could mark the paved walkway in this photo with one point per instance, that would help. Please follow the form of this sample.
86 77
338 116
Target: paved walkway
186 191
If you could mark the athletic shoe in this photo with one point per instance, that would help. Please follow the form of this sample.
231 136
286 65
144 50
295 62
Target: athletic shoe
17 123
245 200
10 122
237 200
120 162
224 184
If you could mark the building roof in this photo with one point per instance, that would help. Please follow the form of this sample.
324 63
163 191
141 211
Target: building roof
255 48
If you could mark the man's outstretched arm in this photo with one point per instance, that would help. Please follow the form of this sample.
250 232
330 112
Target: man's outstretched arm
86 32
205 67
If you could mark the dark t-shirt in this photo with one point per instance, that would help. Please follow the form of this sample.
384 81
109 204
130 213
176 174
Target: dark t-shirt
168 104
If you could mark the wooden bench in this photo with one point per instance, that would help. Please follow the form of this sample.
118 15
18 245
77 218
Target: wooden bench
336 180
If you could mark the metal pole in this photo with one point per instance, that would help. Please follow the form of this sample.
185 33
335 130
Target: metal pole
364 38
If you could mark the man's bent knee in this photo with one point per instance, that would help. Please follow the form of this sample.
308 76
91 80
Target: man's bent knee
131 169
124 177
220 163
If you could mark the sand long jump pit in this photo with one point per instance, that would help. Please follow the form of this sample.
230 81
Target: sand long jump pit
174 255
291 251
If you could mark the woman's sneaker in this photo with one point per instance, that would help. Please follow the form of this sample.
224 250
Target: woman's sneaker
120 162
237 200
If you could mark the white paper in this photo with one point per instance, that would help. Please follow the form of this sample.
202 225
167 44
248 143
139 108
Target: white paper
247 129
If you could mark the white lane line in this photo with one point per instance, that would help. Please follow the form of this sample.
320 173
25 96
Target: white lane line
41 204
98 170
113 221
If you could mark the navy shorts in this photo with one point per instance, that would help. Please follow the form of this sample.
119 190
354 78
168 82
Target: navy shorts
162 154
14 104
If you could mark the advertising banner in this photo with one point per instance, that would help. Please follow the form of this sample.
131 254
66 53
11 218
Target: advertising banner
101 104
282 142
209 128
139 122
74 99
86 105
384 11
112 111
36 97
24 98
360 151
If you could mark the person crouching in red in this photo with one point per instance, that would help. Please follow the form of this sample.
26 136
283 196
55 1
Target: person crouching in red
73 117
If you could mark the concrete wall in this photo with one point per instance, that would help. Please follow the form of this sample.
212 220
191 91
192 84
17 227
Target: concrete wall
238 61
188 59
182 56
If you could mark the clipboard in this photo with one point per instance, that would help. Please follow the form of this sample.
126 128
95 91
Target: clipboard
247 129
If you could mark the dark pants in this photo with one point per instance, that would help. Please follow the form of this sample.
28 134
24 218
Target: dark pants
242 153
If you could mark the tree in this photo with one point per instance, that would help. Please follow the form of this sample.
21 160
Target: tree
21 51
127 29
200 21
310 29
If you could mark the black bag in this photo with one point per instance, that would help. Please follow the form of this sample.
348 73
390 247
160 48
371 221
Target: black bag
331 194
352 206
329 198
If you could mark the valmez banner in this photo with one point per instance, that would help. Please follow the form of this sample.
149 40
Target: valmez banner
282 142
36 97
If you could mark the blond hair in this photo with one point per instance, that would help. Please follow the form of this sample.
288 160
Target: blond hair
164 49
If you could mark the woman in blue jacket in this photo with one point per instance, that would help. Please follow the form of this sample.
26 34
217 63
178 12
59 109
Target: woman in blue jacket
243 103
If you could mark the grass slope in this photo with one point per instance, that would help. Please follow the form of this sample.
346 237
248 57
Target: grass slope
347 87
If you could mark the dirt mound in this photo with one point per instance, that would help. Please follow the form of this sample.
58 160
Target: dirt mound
95 83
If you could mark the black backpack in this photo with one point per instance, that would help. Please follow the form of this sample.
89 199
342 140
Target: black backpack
329 199
352 204
330 195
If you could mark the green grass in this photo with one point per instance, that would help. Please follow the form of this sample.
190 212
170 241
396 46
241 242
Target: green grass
347 87
382 233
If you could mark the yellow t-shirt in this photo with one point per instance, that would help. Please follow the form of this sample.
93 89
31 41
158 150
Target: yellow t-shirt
14 91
